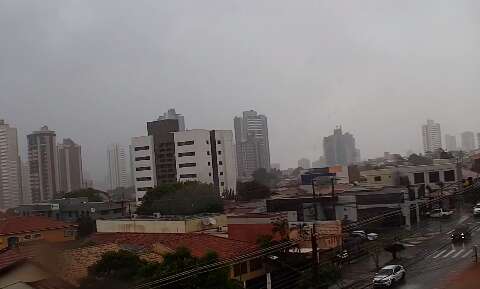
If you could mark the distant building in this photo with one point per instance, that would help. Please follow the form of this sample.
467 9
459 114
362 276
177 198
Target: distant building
208 157
339 148
252 144
304 163
468 141
117 167
42 157
26 192
10 167
478 140
171 114
143 155
451 142
70 174
276 166
321 162
432 136
164 149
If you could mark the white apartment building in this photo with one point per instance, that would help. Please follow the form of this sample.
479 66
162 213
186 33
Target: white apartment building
432 136
144 170
116 167
208 157
10 168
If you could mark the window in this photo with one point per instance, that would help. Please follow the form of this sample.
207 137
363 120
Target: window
143 179
144 148
220 163
187 154
188 176
240 269
209 164
208 142
208 153
434 177
256 264
222 184
219 152
146 158
144 189
377 178
419 178
449 176
219 142
187 165
185 143
221 173
139 169
209 174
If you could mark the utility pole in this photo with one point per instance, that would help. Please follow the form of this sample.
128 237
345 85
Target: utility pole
475 254
314 199
314 256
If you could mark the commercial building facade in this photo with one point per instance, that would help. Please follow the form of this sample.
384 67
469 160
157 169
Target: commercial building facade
208 157
42 157
117 167
252 143
432 136
144 169
10 168
70 171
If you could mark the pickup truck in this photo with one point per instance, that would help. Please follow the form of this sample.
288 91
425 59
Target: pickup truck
440 213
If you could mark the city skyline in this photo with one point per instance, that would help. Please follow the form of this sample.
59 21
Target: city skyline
305 90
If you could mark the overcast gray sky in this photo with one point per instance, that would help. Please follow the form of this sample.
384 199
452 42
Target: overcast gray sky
96 71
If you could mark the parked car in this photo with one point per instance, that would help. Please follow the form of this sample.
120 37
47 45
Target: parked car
476 210
461 234
364 235
389 275
440 213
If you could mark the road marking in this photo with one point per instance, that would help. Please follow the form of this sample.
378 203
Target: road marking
438 255
458 253
477 229
449 253
468 253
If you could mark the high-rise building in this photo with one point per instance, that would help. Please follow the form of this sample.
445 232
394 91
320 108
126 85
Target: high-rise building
468 141
10 168
164 149
304 163
478 140
321 162
252 144
451 142
144 169
208 157
26 192
70 174
117 175
339 148
172 114
432 136
42 157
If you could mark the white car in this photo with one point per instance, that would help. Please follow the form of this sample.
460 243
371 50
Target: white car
364 235
440 213
476 210
389 275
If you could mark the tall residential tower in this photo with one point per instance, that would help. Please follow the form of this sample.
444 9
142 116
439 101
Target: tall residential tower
117 167
10 168
432 136
70 175
339 148
468 141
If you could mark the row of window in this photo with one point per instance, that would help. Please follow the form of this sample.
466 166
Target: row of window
144 189
434 177
187 154
145 158
185 143
139 169
144 148
187 165
143 179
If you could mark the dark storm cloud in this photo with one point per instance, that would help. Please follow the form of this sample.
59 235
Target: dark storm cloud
96 71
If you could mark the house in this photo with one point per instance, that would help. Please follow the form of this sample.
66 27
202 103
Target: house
198 243
20 230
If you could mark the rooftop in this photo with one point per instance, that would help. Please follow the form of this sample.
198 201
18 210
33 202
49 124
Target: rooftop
19 225
199 243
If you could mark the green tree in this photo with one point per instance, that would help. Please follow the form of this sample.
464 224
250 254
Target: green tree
266 178
86 226
252 190
93 195
181 199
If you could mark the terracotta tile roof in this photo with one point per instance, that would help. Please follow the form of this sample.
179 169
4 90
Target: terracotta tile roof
199 244
50 283
10 258
18 225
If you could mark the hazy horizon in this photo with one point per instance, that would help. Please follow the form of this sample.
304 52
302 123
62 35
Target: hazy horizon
97 71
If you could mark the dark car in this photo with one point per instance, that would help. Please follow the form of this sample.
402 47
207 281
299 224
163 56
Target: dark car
461 234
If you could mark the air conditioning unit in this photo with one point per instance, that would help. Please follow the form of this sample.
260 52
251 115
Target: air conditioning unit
157 215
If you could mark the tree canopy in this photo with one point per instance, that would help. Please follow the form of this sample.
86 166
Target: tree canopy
267 178
252 190
181 199
93 195
123 269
